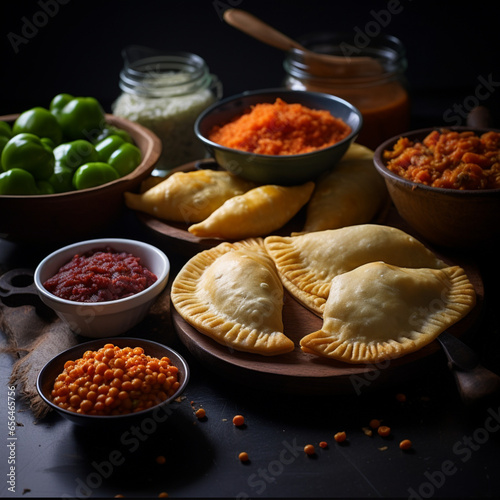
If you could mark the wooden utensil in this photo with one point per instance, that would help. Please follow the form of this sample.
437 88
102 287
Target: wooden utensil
320 64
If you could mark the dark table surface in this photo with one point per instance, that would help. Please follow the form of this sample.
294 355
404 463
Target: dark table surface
456 449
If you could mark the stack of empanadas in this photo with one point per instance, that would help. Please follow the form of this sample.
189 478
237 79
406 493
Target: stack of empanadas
218 204
381 293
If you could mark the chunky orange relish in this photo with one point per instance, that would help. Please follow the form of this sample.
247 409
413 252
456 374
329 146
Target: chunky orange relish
448 159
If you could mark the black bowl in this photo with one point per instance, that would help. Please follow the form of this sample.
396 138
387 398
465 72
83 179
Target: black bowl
55 366
277 169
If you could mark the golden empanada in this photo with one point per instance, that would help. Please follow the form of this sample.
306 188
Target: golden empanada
233 294
258 212
351 193
307 263
378 311
357 152
189 196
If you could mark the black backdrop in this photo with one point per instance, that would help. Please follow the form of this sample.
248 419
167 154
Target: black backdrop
53 46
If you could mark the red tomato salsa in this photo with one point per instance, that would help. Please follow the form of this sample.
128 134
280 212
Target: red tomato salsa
100 275
448 159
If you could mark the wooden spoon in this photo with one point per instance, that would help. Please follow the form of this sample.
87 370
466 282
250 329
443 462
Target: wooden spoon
320 64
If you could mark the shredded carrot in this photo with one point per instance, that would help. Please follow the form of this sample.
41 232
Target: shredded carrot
281 129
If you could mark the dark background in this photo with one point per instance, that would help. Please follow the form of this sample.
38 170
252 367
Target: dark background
51 46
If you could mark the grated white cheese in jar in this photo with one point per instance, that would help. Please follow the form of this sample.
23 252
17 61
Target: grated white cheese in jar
172 120
166 93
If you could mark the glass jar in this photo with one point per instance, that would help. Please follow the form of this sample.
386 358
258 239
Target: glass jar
381 98
165 92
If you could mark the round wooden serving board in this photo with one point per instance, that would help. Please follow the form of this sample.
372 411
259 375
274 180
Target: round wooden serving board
301 373
298 372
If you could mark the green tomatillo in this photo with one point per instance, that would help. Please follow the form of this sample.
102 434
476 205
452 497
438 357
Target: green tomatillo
62 178
94 174
38 121
17 181
79 117
28 152
75 153
111 130
44 187
107 146
5 134
125 159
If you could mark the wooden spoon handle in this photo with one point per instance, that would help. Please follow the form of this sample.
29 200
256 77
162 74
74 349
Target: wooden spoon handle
251 25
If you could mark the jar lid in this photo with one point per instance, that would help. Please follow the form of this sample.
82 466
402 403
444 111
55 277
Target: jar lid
151 73
387 50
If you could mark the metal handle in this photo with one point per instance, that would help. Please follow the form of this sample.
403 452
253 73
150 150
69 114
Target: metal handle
474 381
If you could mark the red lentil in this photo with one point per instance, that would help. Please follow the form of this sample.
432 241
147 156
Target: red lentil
401 397
374 423
340 437
160 459
243 456
323 444
309 449
280 128
448 159
81 388
384 431
406 444
200 413
238 420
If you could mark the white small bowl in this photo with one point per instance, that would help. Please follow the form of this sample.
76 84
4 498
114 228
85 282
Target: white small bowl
103 319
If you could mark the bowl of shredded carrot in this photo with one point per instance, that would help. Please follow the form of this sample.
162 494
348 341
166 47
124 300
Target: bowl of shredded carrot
278 136
445 182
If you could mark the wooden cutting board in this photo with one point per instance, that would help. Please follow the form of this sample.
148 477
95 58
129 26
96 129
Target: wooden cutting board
297 372
300 373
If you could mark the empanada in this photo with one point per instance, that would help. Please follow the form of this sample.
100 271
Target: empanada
258 212
378 311
233 294
357 152
307 263
351 193
189 196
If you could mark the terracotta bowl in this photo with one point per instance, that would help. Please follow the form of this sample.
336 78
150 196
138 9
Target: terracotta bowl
445 217
66 217
277 169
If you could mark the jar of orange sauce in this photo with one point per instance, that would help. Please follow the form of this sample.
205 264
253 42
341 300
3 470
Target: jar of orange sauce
381 96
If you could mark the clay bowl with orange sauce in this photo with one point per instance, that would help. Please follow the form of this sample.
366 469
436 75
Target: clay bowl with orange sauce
445 217
281 169
70 216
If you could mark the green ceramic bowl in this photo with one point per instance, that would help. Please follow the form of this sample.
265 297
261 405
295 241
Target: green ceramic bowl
277 169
